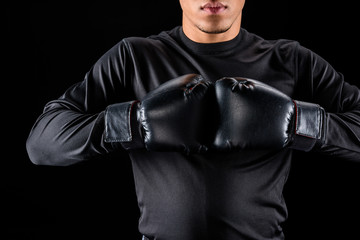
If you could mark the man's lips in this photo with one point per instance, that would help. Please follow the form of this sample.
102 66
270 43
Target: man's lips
213 8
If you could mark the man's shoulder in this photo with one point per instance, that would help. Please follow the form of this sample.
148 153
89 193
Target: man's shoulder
255 38
282 47
161 38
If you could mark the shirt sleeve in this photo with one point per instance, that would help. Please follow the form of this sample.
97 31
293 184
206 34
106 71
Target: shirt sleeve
319 82
71 128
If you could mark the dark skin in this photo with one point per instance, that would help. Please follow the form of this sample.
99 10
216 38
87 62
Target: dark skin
211 21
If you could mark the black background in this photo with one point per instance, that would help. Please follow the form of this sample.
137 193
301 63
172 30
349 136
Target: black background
47 46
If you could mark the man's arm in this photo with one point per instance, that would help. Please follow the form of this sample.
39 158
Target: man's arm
318 82
71 128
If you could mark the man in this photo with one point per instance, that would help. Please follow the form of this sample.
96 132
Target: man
210 116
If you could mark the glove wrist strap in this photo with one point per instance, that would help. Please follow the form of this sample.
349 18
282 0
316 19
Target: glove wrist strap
122 126
309 125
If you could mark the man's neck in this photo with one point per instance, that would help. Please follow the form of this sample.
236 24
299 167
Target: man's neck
196 35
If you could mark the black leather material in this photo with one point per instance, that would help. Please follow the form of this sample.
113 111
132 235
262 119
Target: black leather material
117 122
122 126
309 126
309 119
174 115
254 115
180 115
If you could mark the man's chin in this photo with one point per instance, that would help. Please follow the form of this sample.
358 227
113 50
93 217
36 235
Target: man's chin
213 30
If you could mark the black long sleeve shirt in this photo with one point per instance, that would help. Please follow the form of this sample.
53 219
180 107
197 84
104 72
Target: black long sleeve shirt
199 196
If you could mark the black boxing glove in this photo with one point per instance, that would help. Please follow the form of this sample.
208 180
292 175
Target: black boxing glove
254 115
172 117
